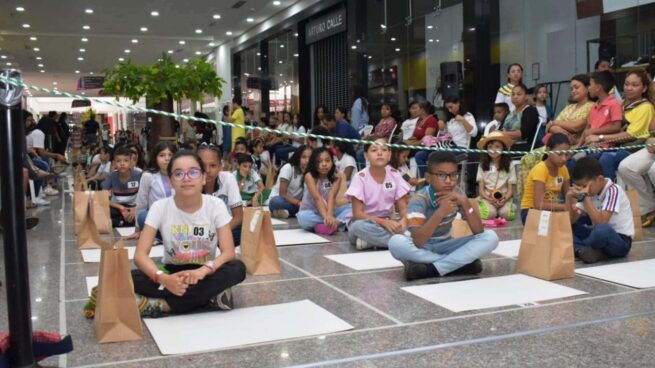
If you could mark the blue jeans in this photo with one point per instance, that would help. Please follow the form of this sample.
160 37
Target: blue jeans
446 255
307 219
610 161
282 154
141 219
281 203
601 236
43 165
227 140
421 158
370 232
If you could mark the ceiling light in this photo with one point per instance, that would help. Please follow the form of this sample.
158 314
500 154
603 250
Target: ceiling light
281 75
36 49
38 58
354 47
8 64
84 39
86 27
80 58
280 62
42 71
3 56
89 11
430 27
217 16
393 39
259 68
246 74
20 9
121 59
431 40
25 25
54 83
83 92
295 55
40 65
211 44
437 40
198 53
276 3
295 34
127 51
370 57
144 29
229 33
33 38
82 50
77 72
170 51
198 30
91 73
259 54
182 42
250 20
134 40
397 49
281 46
154 13
185 60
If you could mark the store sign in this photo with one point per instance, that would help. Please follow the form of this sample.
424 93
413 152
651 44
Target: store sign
325 26
90 82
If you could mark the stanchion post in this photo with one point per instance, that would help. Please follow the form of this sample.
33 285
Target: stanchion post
12 142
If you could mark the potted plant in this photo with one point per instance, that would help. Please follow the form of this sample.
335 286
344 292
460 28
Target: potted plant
163 83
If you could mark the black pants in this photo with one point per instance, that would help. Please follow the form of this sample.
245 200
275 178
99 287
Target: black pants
117 219
196 296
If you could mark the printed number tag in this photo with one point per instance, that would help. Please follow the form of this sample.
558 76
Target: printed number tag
254 221
327 185
133 184
559 181
388 185
544 223
199 231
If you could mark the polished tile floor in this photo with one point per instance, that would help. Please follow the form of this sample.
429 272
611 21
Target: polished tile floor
610 326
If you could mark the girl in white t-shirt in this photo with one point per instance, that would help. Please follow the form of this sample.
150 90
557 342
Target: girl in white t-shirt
199 258
344 159
286 196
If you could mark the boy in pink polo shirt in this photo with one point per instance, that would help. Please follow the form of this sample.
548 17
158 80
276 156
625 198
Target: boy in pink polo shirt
606 114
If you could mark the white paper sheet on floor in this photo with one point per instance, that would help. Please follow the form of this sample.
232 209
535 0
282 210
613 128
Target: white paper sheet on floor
508 248
638 274
491 292
125 231
275 221
91 282
205 331
370 260
296 237
93 255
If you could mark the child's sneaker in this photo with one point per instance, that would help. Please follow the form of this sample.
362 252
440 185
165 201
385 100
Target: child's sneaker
222 301
362 244
50 191
151 307
472 268
591 255
281 214
322 229
415 271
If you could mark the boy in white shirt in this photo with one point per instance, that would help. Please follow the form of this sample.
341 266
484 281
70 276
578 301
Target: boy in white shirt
600 213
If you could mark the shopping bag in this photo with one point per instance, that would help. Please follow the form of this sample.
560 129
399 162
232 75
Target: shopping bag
79 180
633 195
547 246
99 208
341 199
271 177
117 315
258 249
88 236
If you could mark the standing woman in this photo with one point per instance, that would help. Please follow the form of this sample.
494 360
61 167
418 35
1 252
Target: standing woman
514 78
427 125
199 260
227 131
359 109
521 124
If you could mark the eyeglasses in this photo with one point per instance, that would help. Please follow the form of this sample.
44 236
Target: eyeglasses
443 176
193 173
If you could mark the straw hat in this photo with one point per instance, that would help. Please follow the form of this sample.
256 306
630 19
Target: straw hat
495 136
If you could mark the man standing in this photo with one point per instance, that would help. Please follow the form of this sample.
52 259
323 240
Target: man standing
91 128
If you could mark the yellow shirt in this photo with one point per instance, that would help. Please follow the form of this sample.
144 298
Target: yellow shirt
239 118
553 184
639 120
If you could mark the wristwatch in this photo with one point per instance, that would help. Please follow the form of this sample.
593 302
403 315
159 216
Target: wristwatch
601 137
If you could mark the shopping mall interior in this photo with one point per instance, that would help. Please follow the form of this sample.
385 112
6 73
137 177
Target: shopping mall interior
327 183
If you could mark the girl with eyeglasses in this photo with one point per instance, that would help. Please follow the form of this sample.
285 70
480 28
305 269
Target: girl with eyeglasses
199 258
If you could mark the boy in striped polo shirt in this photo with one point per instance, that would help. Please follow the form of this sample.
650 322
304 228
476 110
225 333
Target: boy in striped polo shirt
123 185
600 213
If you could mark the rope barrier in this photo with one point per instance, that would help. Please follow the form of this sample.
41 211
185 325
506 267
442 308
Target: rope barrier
20 83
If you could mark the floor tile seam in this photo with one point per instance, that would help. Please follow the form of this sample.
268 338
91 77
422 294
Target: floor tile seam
63 362
343 292
354 331
475 341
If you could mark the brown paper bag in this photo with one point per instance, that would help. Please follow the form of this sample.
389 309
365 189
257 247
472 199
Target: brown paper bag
547 246
341 194
117 315
636 214
79 180
271 177
87 236
258 249
99 208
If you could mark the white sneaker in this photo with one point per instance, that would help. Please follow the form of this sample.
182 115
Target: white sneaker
281 214
50 191
41 201
361 244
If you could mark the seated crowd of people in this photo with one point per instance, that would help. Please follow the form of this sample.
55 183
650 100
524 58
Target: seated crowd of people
191 199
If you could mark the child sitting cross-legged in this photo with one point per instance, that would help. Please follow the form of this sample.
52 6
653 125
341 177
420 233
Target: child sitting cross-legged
374 192
123 184
496 176
430 251
250 183
199 259
600 213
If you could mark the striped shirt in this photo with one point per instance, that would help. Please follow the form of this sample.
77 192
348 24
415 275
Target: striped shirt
123 192
613 199
423 205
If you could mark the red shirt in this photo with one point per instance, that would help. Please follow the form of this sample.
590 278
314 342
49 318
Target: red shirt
422 126
603 113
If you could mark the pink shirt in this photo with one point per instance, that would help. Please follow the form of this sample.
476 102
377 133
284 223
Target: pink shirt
605 112
378 199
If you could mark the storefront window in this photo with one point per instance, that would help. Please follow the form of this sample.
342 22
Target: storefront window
251 80
283 67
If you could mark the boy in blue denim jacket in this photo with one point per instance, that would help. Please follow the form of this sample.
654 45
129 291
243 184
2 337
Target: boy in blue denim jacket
430 251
